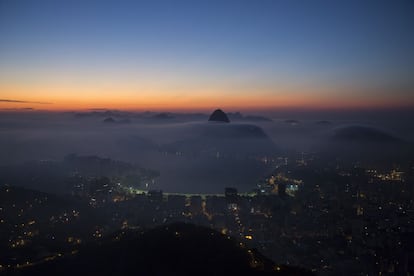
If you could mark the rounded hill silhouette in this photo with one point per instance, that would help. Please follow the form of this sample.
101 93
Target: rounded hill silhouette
109 120
364 134
219 116
175 249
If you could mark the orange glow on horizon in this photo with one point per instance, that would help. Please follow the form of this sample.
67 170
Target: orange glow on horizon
203 104
59 97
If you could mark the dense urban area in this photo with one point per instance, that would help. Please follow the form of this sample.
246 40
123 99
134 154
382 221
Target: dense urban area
327 217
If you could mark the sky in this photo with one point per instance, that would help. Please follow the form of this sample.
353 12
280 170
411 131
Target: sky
199 55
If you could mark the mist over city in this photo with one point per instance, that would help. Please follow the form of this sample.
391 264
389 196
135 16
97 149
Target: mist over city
206 138
195 155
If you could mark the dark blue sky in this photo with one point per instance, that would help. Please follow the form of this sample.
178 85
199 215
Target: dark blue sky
334 49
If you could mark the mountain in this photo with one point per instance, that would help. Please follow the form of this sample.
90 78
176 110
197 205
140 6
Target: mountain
55 176
219 116
364 134
228 139
367 144
217 155
235 139
175 249
109 120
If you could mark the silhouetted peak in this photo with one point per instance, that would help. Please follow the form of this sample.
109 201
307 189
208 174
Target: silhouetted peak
109 120
219 116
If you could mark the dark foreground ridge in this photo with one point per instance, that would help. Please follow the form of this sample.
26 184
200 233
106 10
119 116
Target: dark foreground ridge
219 116
175 249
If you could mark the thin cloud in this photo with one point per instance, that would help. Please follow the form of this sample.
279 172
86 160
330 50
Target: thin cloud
18 109
19 101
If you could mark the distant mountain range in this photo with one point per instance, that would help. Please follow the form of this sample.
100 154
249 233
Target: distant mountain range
122 116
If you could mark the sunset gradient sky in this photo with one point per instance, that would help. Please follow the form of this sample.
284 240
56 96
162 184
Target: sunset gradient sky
199 55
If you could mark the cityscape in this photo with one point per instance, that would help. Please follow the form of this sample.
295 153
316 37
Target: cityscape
323 216
206 138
